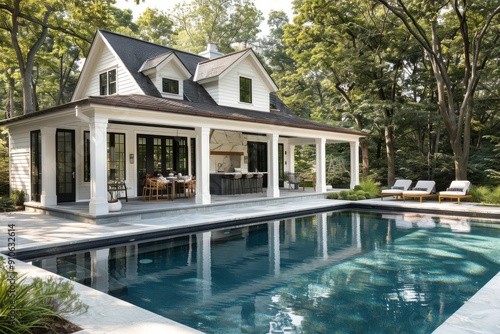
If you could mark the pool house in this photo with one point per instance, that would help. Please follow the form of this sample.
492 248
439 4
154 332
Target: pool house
141 108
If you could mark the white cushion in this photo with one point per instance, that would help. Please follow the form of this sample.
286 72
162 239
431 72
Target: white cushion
452 193
403 183
392 191
416 192
428 185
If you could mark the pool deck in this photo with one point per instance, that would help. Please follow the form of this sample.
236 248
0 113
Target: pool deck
40 234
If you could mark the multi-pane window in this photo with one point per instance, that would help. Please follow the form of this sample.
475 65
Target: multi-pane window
36 165
183 155
86 156
107 83
116 156
193 156
170 86
245 90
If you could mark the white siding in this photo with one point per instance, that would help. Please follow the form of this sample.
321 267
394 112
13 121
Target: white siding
169 72
213 89
229 88
20 171
125 84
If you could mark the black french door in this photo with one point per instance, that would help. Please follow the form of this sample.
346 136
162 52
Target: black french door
160 155
257 158
65 164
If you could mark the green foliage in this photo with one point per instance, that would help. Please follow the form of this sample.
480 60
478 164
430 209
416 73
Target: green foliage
6 204
18 197
485 194
37 304
333 196
365 190
371 187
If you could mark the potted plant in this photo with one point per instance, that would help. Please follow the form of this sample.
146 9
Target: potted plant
114 203
18 197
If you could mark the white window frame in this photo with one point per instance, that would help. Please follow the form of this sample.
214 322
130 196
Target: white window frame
108 82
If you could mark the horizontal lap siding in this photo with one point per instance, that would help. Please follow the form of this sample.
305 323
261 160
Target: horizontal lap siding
107 61
213 89
229 88
20 171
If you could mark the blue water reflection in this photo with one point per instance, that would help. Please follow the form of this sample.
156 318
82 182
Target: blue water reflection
340 272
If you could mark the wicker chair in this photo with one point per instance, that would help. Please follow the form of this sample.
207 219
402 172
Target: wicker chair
293 180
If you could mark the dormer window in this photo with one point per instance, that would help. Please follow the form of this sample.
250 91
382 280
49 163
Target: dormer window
107 83
245 90
170 86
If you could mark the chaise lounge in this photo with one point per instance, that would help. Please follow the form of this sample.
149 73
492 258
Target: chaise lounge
422 189
397 189
458 190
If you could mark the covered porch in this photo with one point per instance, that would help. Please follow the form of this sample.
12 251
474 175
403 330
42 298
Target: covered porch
91 143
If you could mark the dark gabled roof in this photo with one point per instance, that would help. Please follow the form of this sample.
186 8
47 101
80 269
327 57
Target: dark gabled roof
134 52
214 67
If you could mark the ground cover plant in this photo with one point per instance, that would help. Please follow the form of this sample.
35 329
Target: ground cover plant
37 306
365 190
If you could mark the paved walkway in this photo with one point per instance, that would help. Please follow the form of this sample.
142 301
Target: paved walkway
35 232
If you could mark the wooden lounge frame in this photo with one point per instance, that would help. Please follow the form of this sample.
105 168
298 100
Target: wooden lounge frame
420 196
458 197
396 196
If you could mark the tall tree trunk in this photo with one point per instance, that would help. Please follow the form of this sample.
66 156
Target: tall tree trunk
12 88
366 158
26 68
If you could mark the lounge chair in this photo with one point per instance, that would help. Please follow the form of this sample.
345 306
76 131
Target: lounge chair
397 189
458 190
422 189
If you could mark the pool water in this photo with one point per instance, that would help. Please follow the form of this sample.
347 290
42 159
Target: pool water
337 272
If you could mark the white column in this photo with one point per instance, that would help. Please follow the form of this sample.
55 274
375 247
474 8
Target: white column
354 163
272 166
204 262
98 167
99 269
321 221
273 231
291 159
49 192
202 165
320 165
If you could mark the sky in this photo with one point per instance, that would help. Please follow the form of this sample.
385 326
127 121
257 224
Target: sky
265 6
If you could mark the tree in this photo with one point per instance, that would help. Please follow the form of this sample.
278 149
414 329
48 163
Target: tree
155 26
355 53
223 22
458 40
28 23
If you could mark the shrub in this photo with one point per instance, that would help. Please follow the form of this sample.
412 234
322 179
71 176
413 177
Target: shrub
367 195
352 197
360 197
37 304
343 194
332 196
371 187
19 197
6 204
358 187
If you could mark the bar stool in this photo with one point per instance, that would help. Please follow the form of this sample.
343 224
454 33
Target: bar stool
259 182
233 183
248 183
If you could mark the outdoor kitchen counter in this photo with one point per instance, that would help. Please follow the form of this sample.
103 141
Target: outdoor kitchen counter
219 185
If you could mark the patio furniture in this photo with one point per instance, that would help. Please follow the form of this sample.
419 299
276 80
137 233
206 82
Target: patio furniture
458 190
293 180
309 179
397 189
187 187
151 188
247 183
119 187
422 189
259 184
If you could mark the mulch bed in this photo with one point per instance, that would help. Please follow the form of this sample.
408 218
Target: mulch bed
59 326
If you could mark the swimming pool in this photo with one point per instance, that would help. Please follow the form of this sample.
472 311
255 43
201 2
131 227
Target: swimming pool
338 272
